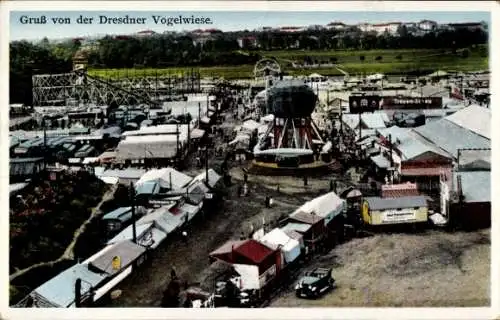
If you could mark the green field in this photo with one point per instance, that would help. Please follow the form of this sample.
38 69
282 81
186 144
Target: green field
349 60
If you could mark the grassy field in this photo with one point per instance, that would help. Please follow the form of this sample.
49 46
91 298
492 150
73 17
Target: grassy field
409 61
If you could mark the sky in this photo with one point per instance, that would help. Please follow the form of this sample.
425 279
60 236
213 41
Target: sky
225 21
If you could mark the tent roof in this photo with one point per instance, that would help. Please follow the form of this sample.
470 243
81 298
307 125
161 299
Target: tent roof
253 250
166 177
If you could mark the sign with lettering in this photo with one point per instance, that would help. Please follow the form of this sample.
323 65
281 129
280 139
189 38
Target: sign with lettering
360 104
267 276
116 263
412 102
399 216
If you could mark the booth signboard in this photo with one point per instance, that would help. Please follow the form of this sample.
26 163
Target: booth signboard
116 263
363 103
412 102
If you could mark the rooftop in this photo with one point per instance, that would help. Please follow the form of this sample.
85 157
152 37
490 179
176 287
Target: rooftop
377 203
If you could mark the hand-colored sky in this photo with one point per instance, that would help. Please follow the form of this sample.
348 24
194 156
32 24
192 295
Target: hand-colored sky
226 21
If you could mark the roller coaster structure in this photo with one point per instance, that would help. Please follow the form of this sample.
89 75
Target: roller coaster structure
78 87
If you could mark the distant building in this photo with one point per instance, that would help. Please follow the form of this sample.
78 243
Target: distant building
263 29
391 27
291 29
146 33
380 28
316 27
248 42
427 25
471 26
336 26
202 36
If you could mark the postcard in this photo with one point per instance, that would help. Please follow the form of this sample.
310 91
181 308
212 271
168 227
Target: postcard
193 156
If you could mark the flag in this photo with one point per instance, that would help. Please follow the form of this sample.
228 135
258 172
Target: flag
456 94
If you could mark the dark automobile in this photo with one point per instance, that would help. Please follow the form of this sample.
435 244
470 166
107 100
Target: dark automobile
314 283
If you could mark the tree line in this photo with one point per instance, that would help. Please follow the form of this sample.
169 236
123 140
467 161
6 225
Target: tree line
165 50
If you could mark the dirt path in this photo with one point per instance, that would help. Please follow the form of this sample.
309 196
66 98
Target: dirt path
432 269
145 288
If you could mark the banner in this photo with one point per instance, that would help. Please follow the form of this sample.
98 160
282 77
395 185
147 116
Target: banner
360 104
412 102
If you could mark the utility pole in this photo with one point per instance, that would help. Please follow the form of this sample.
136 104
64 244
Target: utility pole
199 114
44 124
390 150
359 125
189 134
206 164
132 200
177 142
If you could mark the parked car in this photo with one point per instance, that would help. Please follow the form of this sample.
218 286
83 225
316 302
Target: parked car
314 283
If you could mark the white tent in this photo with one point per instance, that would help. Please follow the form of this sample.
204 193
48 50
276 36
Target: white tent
162 219
250 125
276 238
213 178
375 77
315 75
438 74
327 206
267 118
168 178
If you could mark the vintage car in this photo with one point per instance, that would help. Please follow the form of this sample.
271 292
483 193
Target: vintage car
314 283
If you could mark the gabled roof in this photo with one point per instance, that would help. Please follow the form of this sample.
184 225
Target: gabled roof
323 205
60 290
254 251
474 118
127 251
296 227
166 177
305 217
123 213
227 247
399 190
450 137
377 203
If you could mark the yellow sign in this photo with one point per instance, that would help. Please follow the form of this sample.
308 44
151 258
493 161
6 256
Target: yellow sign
116 263
365 210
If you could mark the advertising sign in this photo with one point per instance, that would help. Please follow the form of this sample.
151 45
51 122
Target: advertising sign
116 263
399 216
267 276
360 104
412 102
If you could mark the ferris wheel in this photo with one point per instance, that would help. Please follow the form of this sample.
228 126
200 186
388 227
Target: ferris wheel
266 67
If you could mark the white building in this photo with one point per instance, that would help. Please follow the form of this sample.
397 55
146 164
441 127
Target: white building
336 26
427 25
380 28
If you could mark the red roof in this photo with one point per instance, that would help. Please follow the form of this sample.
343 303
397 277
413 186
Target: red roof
399 190
254 251
227 247
175 210
421 171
